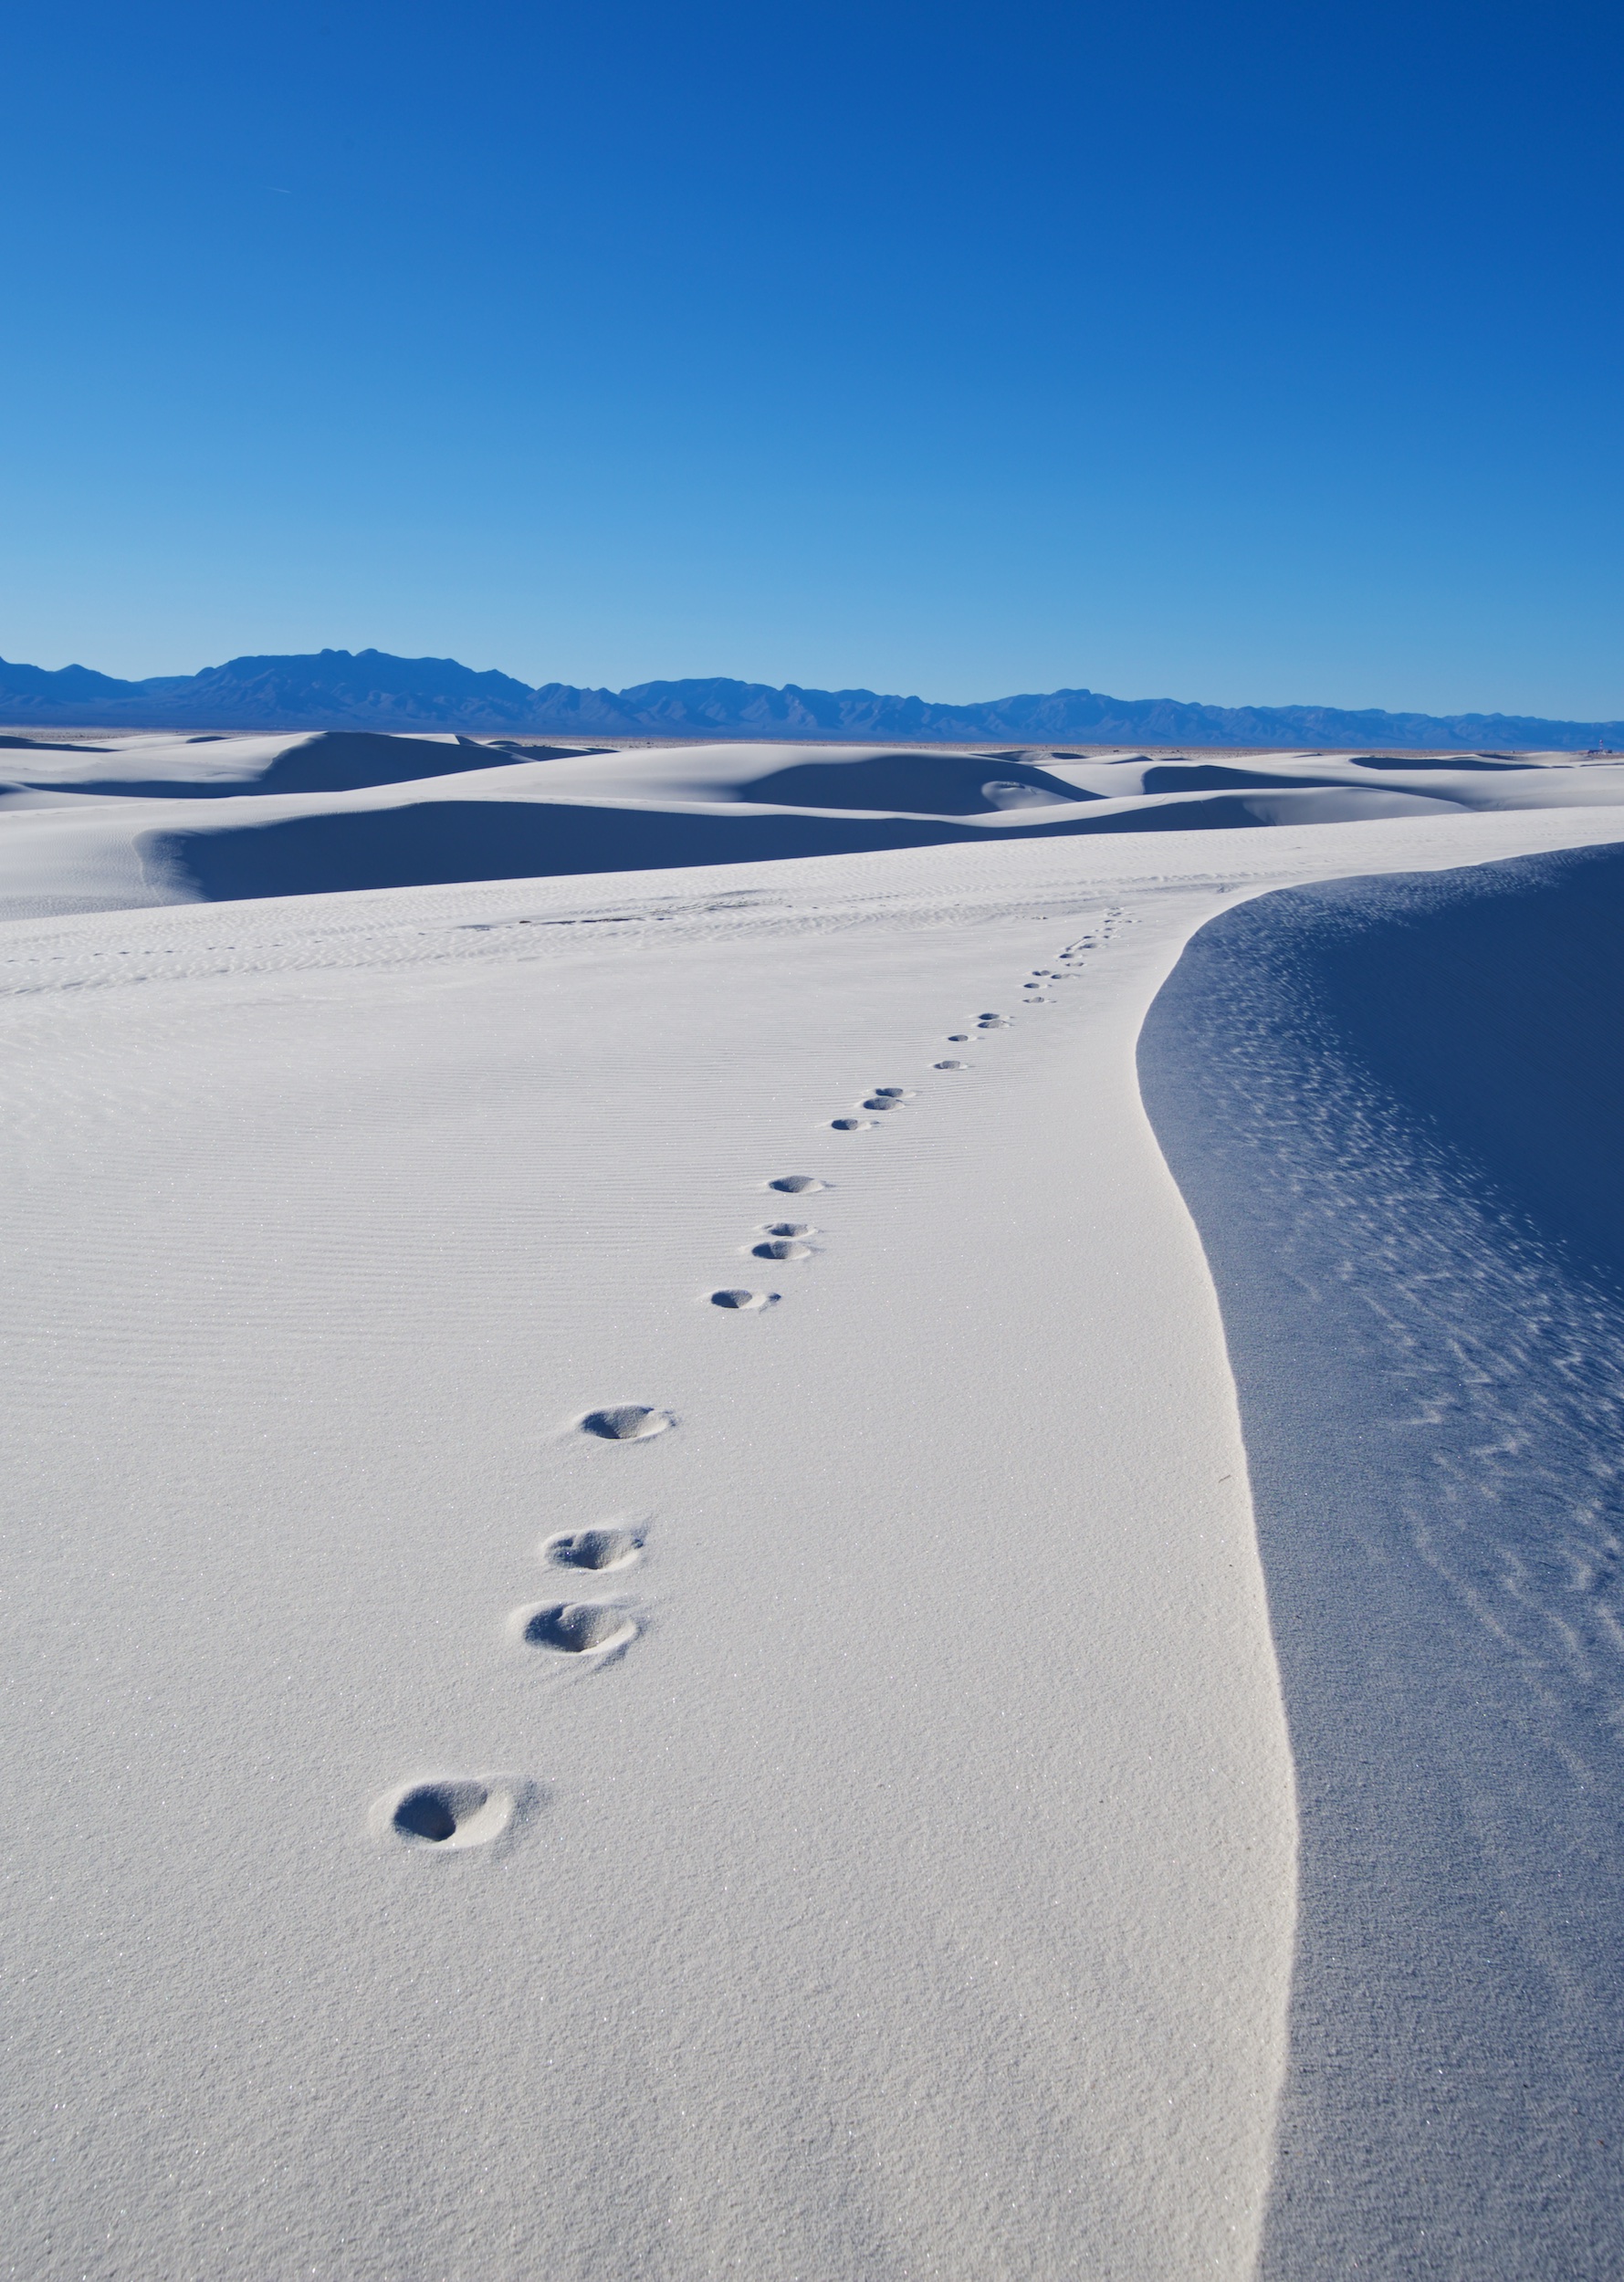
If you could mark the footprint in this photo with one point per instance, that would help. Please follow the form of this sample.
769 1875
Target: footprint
450 1813
881 1100
626 1422
849 1124
798 1185
594 1548
959 1038
950 1065
576 1627
787 1228
781 1247
744 1299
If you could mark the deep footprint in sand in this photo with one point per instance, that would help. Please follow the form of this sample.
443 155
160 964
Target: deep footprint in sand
580 1628
746 1302
787 1228
626 1422
950 1065
781 1247
959 1038
798 1185
593 1548
449 1813
878 1101
851 1124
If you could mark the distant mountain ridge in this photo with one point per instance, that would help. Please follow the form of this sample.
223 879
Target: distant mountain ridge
337 689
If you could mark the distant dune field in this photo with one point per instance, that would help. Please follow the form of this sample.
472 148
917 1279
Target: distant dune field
128 821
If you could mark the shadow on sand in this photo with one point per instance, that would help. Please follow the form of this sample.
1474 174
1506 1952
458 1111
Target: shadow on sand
1394 1108
438 842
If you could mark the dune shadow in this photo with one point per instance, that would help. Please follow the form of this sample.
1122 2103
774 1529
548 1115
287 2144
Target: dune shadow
1439 760
1217 776
1393 1107
336 761
436 843
945 784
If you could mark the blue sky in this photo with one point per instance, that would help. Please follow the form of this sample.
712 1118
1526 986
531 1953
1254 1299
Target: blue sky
1248 353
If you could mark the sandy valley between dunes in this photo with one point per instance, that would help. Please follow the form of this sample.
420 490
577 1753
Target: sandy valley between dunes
908 1887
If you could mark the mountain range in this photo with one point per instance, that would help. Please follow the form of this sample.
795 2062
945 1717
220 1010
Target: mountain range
334 689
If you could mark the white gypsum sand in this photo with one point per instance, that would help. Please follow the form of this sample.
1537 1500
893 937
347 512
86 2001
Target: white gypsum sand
128 821
896 1877
1394 1105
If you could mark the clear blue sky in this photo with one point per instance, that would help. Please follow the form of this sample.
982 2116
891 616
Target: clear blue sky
1264 353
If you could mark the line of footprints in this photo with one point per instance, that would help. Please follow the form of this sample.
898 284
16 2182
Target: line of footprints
449 1814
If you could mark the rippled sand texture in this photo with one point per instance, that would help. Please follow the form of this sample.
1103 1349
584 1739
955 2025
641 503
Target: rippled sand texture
520 1770
1396 1108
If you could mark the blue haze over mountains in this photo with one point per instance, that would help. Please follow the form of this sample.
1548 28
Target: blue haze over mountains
370 689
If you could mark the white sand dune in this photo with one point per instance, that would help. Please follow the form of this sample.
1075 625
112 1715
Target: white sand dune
1395 1106
884 1862
154 820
